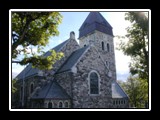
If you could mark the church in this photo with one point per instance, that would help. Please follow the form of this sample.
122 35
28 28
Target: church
84 78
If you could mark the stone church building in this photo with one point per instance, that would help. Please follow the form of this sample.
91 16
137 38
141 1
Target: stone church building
84 78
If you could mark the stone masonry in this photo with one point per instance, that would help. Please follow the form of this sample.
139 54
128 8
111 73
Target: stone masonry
69 84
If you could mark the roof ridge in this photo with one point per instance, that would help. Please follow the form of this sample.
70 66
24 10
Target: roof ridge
26 70
86 48
23 71
99 23
65 62
63 43
67 65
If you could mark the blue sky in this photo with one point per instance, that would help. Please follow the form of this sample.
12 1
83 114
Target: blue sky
72 22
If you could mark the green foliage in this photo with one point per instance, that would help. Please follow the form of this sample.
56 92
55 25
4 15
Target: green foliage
33 29
14 89
43 62
137 46
137 90
137 49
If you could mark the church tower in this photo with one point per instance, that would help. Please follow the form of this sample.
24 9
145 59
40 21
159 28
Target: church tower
96 31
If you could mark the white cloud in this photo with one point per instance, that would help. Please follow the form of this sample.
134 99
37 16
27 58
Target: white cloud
122 62
122 77
117 21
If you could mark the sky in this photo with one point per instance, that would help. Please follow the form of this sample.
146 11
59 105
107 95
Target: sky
73 20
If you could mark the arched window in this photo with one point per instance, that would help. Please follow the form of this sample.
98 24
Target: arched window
102 45
60 105
114 102
94 87
84 45
108 49
31 88
66 105
49 105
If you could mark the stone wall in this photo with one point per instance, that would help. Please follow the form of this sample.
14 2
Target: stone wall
65 81
55 103
77 84
37 84
67 49
120 102
96 39
81 95
48 75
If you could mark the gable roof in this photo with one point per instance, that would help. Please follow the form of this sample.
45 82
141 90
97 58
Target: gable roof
29 71
52 90
57 48
72 60
95 21
117 91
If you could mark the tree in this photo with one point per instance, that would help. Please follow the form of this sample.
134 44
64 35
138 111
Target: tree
137 90
14 89
32 30
137 45
15 93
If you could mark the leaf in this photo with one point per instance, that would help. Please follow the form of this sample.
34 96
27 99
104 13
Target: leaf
34 29
136 47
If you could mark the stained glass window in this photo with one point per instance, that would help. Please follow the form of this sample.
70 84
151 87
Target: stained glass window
94 83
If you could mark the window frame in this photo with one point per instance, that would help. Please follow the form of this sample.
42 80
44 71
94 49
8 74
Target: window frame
89 80
59 104
67 104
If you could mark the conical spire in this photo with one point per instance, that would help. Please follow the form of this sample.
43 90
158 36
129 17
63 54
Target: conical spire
95 21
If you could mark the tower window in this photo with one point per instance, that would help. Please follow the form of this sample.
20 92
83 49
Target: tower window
102 45
108 49
114 102
84 45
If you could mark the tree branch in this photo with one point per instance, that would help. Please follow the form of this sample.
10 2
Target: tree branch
24 30
16 61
